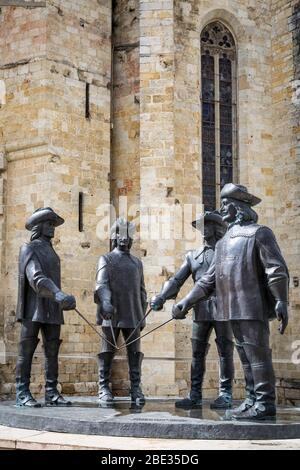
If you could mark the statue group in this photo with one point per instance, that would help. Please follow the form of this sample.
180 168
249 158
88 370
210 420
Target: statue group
241 283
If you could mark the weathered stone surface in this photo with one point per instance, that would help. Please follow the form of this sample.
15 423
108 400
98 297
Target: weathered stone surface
145 144
158 419
53 153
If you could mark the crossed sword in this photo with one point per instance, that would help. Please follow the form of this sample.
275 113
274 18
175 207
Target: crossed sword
126 343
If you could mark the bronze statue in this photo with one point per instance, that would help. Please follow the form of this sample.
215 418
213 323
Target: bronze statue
196 264
40 307
122 300
251 281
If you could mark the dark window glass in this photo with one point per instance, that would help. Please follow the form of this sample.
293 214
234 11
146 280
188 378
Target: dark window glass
208 132
226 131
217 44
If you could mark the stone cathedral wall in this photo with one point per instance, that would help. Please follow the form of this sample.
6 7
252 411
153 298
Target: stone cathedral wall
286 168
53 151
139 61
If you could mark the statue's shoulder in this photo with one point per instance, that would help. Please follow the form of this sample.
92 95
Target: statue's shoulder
103 260
247 231
136 260
191 255
195 254
28 248
264 233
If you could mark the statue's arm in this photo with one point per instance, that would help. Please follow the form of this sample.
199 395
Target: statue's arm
274 265
276 273
172 286
41 284
202 290
103 294
143 291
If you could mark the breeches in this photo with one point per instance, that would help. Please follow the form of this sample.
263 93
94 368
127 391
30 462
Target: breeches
126 332
31 329
202 330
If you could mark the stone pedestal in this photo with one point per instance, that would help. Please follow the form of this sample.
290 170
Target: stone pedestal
157 419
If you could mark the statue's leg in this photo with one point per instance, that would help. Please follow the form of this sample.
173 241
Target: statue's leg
226 366
105 360
249 383
256 348
200 336
51 344
135 359
27 345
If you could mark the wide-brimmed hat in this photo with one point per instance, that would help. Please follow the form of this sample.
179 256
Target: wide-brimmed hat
41 215
240 193
208 216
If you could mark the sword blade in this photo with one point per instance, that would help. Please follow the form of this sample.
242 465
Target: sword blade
93 328
113 334
137 326
146 334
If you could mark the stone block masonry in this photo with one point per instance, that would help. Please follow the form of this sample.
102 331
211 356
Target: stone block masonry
141 138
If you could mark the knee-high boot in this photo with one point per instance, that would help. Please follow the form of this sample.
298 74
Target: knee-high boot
52 395
135 359
194 399
226 373
23 372
249 385
105 360
264 385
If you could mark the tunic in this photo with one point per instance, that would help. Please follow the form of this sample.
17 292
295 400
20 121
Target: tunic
120 282
39 280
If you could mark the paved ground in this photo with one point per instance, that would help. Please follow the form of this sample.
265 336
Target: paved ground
13 438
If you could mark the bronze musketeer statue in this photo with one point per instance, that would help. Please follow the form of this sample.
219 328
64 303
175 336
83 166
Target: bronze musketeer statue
40 307
196 264
122 301
251 281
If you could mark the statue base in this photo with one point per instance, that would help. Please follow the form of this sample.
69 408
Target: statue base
157 419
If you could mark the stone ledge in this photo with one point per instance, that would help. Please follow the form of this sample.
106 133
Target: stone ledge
24 150
23 3
157 420
22 439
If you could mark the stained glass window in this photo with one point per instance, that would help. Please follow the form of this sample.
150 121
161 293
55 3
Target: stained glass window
218 97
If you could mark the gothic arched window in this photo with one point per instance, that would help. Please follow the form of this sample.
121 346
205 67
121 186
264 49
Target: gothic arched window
218 97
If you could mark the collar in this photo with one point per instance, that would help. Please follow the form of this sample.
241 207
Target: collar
45 240
240 224
121 253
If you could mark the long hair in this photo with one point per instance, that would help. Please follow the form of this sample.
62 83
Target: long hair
220 231
36 232
245 213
